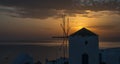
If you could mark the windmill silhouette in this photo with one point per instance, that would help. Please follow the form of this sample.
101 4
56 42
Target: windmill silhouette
65 26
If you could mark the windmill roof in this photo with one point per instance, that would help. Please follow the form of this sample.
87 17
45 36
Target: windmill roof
83 32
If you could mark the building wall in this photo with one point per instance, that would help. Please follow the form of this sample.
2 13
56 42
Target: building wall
111 56
78 47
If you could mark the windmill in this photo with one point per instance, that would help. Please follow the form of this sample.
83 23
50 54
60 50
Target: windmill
65 26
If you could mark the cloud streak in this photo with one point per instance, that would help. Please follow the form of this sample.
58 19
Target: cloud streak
108 33
51 8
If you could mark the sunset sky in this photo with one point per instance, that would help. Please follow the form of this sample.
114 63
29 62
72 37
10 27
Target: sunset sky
39 20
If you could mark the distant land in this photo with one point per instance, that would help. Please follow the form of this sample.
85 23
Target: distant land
28 41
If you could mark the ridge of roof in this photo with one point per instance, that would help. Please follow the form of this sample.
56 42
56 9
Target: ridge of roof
83 32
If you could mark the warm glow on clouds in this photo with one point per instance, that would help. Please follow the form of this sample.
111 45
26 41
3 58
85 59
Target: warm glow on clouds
80 21
101 22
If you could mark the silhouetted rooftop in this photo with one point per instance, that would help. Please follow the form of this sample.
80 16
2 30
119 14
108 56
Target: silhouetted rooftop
83 32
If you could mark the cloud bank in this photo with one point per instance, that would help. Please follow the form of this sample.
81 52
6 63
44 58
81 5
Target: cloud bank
52 8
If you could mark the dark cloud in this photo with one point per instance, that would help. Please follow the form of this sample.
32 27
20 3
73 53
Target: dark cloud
51 8
111 37
37 8
38 4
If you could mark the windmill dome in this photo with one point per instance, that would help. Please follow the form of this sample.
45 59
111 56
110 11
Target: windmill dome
83 32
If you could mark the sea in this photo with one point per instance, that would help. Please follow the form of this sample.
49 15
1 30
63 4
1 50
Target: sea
39 51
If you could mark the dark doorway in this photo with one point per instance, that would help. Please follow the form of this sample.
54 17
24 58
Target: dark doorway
119 60
85 59
27 63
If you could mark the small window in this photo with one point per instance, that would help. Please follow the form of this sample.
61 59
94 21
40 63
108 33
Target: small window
86 42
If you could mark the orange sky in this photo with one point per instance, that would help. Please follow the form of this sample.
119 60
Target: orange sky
41 29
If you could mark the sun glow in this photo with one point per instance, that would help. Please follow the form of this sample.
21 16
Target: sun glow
79 22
